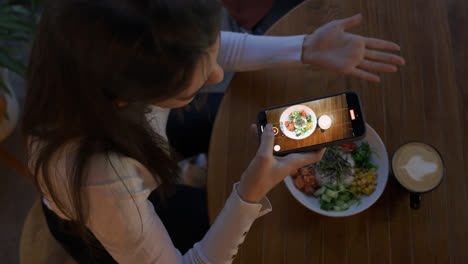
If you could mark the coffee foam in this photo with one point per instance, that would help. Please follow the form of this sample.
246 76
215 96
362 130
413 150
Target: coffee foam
417 166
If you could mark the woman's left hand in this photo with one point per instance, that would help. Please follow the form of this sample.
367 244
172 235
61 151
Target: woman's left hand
334 49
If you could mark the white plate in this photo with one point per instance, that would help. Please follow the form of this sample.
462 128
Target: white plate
285 117
381 159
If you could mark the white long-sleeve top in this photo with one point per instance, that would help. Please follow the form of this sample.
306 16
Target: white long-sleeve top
118 187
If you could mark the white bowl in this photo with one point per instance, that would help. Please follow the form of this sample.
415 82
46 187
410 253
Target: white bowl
285 116
381 159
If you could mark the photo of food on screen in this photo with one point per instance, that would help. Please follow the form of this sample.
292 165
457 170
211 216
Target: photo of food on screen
311 123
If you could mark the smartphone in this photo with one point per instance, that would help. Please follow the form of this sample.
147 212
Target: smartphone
315 123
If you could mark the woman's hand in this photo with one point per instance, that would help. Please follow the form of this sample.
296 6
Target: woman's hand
266 171
333 49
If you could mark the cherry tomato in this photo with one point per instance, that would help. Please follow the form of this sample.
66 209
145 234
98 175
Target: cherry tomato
309 180
307 171
299 182
303 114
309 189
350 146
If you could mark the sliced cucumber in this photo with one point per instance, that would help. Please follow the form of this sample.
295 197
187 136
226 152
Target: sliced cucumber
335 197
341 187
340 203
325 198
331 194
337 208
320 191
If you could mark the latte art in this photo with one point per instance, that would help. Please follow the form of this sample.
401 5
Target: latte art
418 167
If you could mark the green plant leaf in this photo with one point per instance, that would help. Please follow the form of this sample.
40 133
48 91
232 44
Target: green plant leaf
4 87
25 22
8 62
13 24
20 10
16 27
12 50
6 37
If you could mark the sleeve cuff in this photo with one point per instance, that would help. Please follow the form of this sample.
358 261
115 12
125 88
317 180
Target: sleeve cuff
264 204
266 51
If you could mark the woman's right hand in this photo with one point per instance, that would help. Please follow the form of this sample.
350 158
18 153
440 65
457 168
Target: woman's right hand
265 171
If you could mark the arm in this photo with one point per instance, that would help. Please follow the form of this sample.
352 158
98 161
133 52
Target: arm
329 47
114 215
115 221
245 52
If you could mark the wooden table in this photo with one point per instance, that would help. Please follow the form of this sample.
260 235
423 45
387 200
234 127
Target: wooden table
426 100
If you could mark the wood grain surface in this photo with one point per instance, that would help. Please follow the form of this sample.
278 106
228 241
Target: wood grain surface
427 100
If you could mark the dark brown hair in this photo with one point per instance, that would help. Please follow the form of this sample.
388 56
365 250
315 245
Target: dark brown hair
88 53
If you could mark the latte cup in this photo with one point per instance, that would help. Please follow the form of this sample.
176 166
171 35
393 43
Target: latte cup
419 168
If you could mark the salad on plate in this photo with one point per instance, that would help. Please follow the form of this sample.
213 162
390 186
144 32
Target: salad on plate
341 178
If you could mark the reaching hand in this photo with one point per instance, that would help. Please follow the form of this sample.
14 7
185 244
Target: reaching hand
334 49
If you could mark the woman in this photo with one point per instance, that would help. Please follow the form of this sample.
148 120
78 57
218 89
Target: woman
101 78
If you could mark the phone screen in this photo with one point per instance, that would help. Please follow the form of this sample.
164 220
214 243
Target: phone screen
314 122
